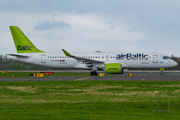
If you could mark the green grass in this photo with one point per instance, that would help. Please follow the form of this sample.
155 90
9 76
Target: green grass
26 74
89 100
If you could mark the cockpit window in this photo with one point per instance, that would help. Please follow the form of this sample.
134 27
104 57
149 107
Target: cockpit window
166 57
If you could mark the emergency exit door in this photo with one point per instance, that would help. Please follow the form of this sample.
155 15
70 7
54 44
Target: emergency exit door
107 57
43 58
155 58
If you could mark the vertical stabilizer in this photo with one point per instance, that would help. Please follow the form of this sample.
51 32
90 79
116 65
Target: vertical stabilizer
22 43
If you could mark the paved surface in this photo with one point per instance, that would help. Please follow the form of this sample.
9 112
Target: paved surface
106 78
137 75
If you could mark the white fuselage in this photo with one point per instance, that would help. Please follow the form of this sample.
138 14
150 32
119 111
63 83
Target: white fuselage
128 60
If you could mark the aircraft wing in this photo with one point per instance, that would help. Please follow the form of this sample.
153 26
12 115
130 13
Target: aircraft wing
85 60
18 55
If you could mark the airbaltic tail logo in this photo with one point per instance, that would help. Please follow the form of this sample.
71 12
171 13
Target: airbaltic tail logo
25 47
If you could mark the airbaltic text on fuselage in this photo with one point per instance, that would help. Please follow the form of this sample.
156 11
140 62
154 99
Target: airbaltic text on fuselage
130 56
25 47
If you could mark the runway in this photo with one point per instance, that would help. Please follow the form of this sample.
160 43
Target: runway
137 75
177 72
106 78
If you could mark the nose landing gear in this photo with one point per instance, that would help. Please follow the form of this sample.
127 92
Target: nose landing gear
162 73
161 69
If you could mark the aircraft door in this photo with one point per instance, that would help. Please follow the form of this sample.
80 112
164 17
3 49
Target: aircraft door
43 58
107 57
155 58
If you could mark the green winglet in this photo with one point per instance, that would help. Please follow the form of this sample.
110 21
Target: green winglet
66 53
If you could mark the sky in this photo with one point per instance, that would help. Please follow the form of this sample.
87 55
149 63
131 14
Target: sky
90 25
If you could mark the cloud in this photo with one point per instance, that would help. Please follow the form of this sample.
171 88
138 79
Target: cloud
132 29
48 25
112 26
134 25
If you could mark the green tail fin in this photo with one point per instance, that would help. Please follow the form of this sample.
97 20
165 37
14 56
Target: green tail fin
22 43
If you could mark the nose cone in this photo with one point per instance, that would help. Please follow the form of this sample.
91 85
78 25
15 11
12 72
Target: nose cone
173 63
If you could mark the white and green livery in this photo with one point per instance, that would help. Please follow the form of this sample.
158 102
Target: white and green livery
109 62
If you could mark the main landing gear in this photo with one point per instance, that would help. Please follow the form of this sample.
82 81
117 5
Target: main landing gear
93 73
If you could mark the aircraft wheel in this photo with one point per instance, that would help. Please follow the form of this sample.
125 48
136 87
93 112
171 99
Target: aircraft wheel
162 74
93 73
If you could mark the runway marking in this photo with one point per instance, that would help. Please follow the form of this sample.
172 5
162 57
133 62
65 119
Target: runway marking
81 79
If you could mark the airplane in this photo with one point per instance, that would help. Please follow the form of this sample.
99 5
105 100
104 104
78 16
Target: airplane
111 63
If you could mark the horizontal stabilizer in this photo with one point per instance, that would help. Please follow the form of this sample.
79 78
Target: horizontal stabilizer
19 56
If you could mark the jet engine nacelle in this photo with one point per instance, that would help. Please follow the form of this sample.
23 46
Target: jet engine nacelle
113 68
